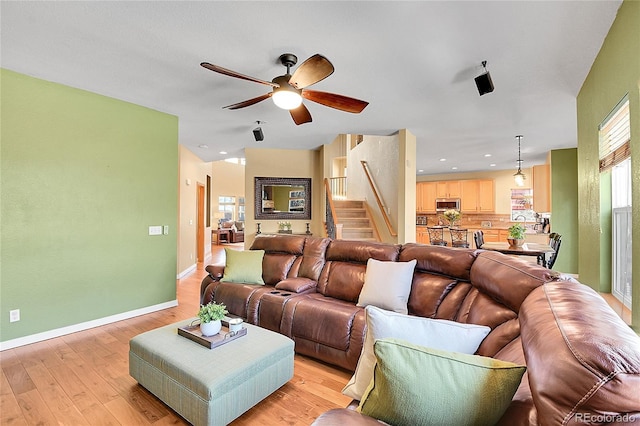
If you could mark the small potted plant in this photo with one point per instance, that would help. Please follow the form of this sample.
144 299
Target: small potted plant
516 234
210 316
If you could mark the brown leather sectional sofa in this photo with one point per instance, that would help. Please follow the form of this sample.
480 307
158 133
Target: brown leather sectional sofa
582 360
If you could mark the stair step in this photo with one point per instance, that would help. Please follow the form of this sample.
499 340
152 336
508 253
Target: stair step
357 232
344 213
348 204
355 222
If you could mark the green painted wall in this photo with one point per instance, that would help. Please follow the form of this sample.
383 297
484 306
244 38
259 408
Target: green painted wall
614 73
82 178
564 205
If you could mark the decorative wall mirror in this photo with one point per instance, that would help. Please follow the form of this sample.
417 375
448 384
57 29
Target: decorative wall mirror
283 198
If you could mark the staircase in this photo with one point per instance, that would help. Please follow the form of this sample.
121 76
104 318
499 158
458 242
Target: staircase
356 221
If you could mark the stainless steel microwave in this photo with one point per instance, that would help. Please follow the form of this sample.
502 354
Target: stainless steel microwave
443 204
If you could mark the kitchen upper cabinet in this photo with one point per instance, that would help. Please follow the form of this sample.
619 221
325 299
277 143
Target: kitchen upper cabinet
477 196
426 197
541 188
448 189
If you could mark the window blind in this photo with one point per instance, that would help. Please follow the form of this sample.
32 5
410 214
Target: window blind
615 136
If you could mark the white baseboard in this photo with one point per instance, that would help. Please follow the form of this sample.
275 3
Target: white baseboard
190 270
38 337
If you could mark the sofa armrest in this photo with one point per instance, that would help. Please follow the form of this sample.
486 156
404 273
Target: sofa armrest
215 271
582 359
297 285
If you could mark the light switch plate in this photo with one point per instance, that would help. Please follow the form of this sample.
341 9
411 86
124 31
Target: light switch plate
155 230
165 229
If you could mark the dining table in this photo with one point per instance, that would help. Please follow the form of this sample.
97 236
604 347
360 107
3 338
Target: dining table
526 249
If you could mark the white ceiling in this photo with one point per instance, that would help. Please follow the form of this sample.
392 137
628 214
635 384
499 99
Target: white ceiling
414 62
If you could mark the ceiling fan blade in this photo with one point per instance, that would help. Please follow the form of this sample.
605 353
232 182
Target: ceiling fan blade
230 73
300 115
332 100
311 71
249 102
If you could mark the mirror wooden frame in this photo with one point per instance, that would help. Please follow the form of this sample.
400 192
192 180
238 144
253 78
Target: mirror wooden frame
259 190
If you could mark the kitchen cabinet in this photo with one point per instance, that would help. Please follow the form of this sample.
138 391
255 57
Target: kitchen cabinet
541 178
477 196
426 197
422 236
495 235
491 235
448 189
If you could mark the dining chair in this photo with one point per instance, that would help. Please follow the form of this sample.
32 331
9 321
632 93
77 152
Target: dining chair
436 236
459 237
478 238
555 244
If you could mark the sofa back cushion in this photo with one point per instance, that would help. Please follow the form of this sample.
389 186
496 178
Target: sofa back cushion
583 360
313 257
474 287
280 255
346 263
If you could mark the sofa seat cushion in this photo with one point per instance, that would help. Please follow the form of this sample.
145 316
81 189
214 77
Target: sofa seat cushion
238 297
325 321
413 386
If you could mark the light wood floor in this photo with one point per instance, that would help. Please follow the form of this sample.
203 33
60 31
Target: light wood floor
83 378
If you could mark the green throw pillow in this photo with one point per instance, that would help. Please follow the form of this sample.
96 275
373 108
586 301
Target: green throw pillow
243 266
415 385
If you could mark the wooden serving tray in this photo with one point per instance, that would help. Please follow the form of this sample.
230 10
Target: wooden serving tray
192 332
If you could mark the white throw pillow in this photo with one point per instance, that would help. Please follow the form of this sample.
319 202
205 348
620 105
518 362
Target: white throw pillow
433 333
387 285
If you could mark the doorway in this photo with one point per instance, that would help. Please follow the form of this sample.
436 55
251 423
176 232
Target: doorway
200 222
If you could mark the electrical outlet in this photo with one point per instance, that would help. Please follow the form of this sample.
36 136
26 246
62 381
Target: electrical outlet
14 315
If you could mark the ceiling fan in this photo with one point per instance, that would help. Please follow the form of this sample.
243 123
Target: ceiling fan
288 89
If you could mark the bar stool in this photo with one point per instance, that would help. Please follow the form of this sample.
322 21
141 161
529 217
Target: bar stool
436 235
478 237
459 237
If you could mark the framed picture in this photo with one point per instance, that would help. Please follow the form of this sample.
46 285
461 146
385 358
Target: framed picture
296 204
296 194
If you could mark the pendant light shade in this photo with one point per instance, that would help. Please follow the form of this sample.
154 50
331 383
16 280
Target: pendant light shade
518 176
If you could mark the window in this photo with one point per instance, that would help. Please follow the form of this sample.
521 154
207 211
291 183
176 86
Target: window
240 161
615 136
227 206
621 184
241 209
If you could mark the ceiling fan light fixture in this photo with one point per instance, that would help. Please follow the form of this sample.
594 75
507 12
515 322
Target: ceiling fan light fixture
518 176
285 98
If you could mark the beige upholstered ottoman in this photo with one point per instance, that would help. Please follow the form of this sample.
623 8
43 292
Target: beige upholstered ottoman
211 386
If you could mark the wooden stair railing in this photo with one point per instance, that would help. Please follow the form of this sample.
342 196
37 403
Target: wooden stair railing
376 194
334 230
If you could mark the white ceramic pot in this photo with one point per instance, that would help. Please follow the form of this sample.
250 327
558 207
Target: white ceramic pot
210 328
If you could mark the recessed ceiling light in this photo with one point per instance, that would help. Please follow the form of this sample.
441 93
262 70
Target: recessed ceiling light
487 155
454 168
223 152
492 165
443 159
203 146
421 171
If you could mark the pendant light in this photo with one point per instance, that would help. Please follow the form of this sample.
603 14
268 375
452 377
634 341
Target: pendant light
519 177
